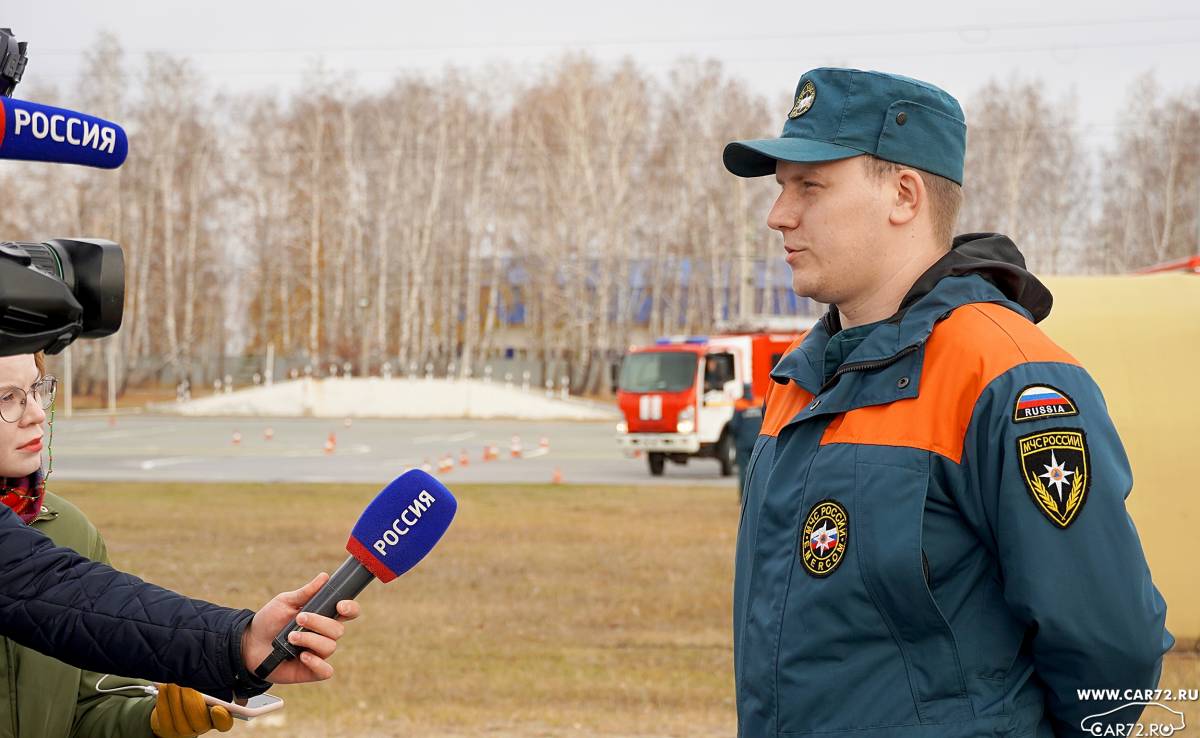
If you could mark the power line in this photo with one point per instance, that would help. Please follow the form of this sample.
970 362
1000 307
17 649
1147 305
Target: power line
840 54
807 36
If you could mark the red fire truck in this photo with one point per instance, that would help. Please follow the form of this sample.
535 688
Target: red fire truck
677 396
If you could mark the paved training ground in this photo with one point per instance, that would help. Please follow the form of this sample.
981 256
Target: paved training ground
149 447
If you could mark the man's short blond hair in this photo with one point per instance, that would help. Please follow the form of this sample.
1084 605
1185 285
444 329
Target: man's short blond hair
945 196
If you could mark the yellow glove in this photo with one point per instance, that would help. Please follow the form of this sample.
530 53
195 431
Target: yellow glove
180 712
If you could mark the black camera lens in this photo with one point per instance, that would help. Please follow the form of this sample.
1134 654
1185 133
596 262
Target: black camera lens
94 270
58 290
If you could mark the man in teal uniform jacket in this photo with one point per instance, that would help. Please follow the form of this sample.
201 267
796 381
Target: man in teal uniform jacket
934 539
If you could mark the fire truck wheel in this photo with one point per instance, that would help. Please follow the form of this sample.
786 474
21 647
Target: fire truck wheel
726 454
657 461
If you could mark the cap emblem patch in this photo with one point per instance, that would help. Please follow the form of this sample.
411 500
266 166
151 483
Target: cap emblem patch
804 100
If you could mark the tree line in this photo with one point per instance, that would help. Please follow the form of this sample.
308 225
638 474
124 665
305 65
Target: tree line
401 225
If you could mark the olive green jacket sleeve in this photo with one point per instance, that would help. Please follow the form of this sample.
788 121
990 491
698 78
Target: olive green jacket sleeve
124 714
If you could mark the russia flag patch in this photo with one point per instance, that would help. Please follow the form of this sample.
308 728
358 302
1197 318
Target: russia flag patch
1042 401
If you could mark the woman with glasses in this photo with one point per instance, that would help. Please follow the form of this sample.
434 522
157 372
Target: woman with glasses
44 697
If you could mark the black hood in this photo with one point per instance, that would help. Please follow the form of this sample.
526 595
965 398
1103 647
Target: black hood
990 255
995 258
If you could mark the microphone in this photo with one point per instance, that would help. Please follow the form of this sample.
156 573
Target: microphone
33 132
400 526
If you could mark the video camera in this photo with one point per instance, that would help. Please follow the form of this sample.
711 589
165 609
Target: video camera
56 291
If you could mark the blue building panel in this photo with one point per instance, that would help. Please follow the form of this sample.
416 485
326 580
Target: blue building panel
772 280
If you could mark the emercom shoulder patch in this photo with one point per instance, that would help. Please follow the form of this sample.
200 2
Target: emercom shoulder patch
1039 401
825 537
1056 471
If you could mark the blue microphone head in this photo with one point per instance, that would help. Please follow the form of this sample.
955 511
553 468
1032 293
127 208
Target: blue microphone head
402 524
33 132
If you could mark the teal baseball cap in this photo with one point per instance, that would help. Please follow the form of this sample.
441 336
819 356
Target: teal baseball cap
841 113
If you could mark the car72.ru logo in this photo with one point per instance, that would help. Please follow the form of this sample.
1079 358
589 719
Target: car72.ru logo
1156 720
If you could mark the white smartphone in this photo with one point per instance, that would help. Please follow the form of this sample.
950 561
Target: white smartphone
255 706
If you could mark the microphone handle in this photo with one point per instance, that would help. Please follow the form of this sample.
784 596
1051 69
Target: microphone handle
347 582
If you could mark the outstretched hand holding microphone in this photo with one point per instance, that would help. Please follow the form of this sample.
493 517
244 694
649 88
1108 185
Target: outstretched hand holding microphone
291 637
396 530
316 643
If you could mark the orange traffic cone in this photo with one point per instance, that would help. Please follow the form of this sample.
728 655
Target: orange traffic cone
427 467
557 477
544 443
331 443
463 459
514 448
237 438
268 433
446 464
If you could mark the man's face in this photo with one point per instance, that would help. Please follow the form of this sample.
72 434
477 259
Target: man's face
831 216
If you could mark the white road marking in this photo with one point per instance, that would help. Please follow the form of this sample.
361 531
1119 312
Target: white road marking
149 464
107 435
464 436
358 449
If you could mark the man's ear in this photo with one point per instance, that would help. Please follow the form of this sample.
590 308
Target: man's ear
908 196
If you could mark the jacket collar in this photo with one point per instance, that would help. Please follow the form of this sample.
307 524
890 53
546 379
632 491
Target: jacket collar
979 267
909 329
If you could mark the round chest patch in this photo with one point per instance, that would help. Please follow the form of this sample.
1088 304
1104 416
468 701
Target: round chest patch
824 539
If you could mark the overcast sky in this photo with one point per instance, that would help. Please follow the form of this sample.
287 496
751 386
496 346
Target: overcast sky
1092 49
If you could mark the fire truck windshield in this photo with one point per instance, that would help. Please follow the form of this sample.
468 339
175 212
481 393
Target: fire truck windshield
658 371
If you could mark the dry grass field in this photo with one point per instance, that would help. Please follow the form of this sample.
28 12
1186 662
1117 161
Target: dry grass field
546 611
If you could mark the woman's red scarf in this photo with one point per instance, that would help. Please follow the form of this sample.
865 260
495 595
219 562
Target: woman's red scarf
24 495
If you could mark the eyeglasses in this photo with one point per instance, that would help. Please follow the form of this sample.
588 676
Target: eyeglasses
12 399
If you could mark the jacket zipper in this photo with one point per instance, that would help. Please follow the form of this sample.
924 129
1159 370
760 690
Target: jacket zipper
867 366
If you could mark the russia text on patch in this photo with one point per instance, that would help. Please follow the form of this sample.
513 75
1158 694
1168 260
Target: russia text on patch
1042 401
